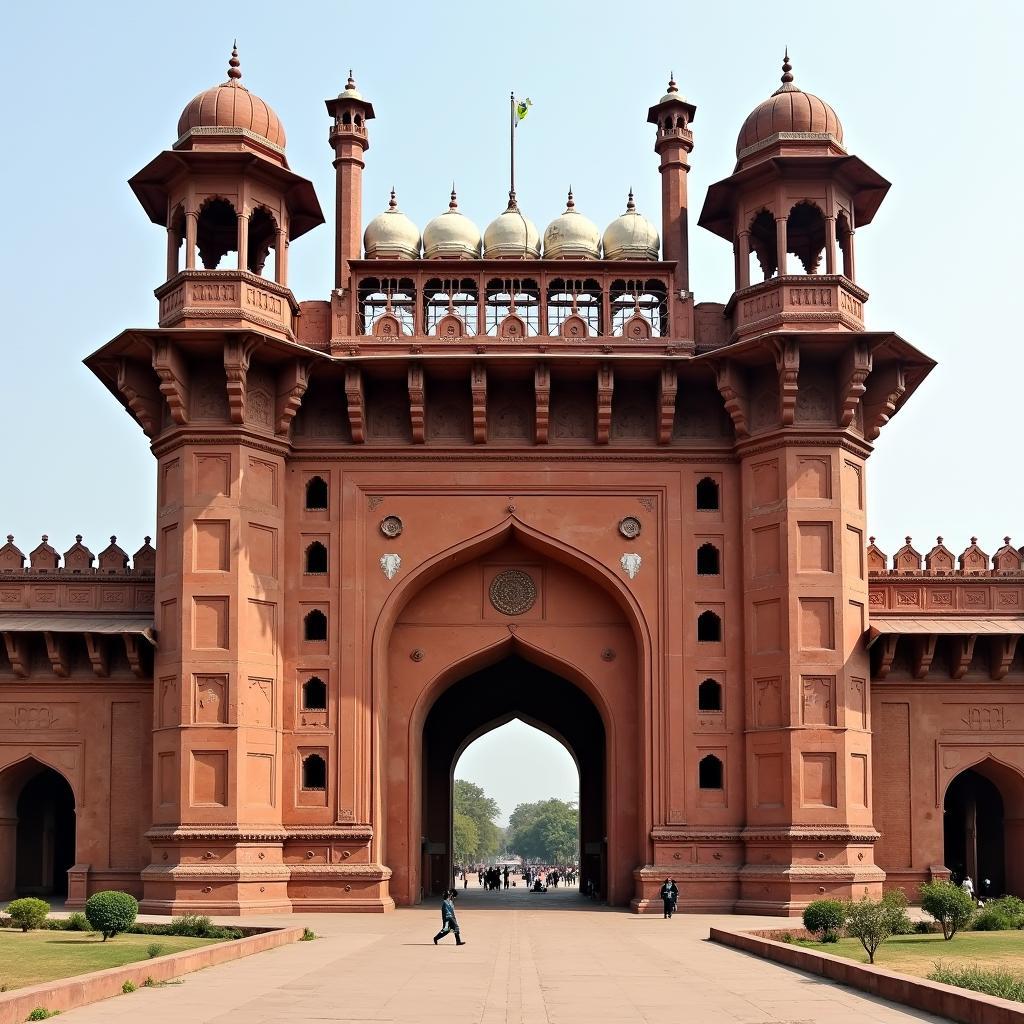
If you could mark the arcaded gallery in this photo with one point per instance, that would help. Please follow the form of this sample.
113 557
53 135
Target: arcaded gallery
500 474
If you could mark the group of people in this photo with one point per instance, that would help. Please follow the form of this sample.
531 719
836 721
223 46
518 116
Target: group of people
536 878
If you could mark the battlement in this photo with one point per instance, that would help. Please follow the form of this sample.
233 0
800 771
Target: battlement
940 561
44 560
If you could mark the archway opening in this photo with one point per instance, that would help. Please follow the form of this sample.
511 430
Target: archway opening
476 705
38 806
979 823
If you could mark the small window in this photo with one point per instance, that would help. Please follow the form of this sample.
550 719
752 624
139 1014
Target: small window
709 772
314 772
316 558
709 695
707 495
314 694
316 493
315 625
709 628
708 561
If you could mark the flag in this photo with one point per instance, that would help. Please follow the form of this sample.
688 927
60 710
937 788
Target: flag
523 108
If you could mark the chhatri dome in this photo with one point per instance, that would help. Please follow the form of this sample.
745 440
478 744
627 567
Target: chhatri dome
572 236
631 236
789 110
391 235
230 109
511 235
452 235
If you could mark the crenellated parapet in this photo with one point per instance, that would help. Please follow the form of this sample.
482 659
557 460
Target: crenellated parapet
940 561
44 560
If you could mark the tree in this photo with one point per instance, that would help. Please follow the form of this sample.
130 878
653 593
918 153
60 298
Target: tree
467 837
547 830
948 904
872 921
470 801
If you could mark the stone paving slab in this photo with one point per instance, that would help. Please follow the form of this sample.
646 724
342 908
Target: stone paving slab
557 963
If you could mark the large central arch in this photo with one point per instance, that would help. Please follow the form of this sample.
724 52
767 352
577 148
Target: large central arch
583 630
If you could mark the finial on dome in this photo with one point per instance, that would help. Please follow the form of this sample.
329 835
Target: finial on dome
351 83
148 539
974 540
393 203
1006 540
630 204
512 204
787 69
453 203
113 538
570 202
78 538
939 539
672 87
234 64
10 538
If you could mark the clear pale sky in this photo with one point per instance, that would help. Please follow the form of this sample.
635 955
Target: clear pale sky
929 94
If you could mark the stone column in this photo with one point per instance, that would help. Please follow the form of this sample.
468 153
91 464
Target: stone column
191 231
243 241
781 241
743 279
830 245
281 257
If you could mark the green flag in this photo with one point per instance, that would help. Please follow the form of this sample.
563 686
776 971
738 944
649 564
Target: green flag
523 108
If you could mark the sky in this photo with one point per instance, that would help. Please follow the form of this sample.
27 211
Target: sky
929 95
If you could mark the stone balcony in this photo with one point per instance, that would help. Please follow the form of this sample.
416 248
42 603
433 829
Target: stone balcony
813 302
227 298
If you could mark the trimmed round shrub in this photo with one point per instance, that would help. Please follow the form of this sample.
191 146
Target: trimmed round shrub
825 918
992 919
949 905
111 912
28 913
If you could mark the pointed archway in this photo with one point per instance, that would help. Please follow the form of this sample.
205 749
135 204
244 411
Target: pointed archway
37 830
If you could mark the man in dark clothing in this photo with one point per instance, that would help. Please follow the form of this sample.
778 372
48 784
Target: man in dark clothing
448 919
669 895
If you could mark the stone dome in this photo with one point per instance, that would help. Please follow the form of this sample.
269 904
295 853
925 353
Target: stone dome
391 235
788 110
572 236
452 235
511 235
631 236
230 106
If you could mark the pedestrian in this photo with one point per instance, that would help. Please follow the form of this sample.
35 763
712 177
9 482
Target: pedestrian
448 920
669 895
506 876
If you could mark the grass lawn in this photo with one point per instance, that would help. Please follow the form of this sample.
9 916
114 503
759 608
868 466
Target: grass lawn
917 954
27 958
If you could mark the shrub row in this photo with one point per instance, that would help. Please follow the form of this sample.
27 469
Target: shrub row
992 982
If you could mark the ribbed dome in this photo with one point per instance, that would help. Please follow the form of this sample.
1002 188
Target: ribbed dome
788 109
230 106
572 236
511 235
631 236
391 235
451 236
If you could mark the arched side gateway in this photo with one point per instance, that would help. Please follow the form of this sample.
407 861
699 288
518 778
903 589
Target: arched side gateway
529 627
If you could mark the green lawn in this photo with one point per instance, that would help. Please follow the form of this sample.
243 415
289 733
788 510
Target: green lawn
27 958
917 954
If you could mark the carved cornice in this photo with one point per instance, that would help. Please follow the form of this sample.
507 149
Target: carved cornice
226 313
170 441
770 441
668 834
808 872
321 833
219 872
216 834
362 871
844 834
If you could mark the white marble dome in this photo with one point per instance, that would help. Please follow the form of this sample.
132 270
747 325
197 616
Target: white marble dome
631 236
451 236
511 236
391 235
571 236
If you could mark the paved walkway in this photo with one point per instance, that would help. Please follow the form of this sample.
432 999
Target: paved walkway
551 959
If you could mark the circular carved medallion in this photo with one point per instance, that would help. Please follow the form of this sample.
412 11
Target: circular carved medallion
629 527
513 592
391 526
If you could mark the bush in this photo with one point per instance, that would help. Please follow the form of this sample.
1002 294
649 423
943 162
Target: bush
77 922
42 1013
28 913
127 987
948 904
993 983
155 949
1011 906
825 918
896 901
992 919
193 926
873 921
308 935
111 912
925 927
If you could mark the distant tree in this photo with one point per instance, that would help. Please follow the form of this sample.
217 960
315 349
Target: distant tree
473 803
467 838
547 830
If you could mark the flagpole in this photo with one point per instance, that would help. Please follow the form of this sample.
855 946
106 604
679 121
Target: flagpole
512 145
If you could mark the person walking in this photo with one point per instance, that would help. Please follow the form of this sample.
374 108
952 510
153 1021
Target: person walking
449 921
669 895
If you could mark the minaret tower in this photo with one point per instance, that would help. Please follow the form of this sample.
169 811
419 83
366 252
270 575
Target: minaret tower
349 139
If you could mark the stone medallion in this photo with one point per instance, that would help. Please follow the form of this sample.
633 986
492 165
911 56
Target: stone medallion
629 527
513 592
391 526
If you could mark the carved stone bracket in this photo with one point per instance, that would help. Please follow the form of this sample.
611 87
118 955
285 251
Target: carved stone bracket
542 401
292 381
478 388
885 387
17 654
668 387
605 388
732 388
961 653
96 648
923 654
171 370
131 649
139 389
356 403
856 367
56 651
417 404
787 363
1002 650
237 354
888 655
